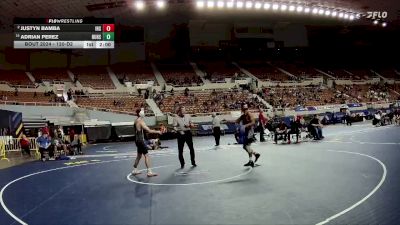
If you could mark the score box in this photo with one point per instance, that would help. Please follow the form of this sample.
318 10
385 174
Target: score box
108 36
108 27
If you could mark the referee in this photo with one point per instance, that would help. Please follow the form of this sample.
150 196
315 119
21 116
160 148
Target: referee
182 124
216 124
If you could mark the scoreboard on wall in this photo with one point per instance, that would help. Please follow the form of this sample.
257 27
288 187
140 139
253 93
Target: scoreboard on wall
55 33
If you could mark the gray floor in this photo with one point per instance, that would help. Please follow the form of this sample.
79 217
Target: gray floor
349 178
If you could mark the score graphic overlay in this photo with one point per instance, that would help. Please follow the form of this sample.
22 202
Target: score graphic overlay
48 33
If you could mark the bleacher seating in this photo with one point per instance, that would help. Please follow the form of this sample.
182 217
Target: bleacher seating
369 93
137 73
218 71
15 77
389 73
52 75
315 96
300 70
28 97
207 102
302 96
350 74
179 75
361 74
94 77
124 104
266 72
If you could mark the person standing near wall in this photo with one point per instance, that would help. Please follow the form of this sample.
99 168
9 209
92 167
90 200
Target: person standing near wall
262 121
44 143
348 117
216 124
24 142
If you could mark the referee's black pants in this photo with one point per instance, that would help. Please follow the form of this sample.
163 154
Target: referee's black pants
217 134
188 138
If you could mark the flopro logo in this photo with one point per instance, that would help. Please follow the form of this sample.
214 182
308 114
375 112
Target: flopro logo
377 15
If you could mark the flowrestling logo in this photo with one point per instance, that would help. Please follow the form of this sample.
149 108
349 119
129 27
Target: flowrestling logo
377 15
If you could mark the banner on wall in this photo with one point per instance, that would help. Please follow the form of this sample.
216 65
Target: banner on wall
308 108
352 105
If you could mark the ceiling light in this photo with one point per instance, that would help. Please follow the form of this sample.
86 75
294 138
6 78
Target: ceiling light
210 4
160 4
249 5
239 4
139 5
299 9
200 4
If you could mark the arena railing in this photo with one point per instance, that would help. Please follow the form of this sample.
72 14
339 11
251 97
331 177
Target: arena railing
99 87
210 113
32 103
3 152
108 95
202 91
187 85
19 85
115 111
338 106
9 144
55 81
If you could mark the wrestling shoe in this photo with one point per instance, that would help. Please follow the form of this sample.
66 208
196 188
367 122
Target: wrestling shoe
250 163
151 174
135 172
257 156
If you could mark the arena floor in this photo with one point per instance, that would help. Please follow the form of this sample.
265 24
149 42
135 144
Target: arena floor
352 177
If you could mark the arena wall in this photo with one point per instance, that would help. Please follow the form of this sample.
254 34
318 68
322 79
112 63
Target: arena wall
68 112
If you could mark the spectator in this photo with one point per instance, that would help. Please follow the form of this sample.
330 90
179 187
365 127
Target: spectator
282 129
71 134
216 124
262 121
59 145
315 124
44 143
59 133
25 143
45 129
348 117
294 128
